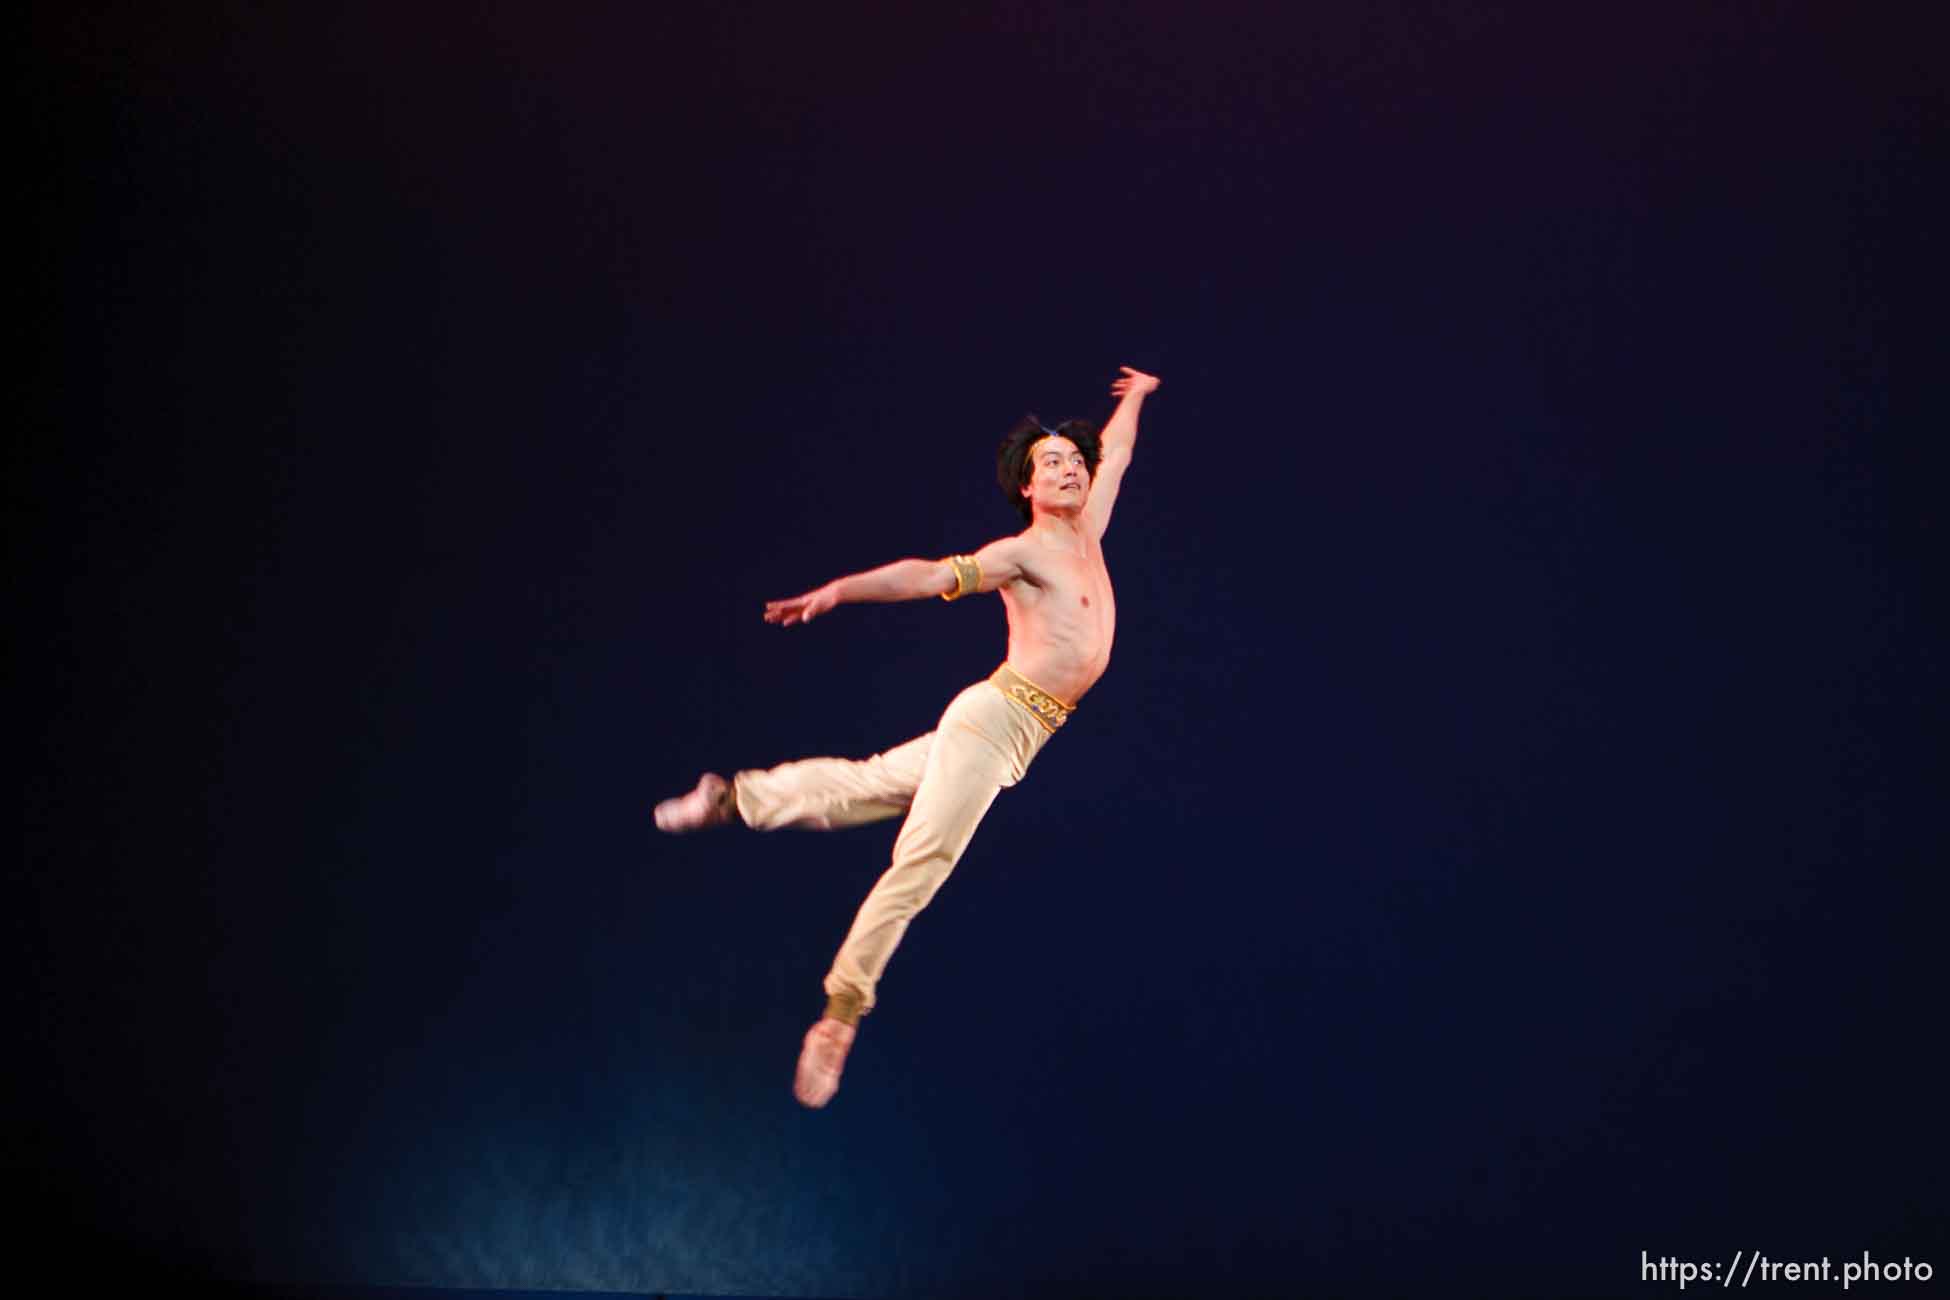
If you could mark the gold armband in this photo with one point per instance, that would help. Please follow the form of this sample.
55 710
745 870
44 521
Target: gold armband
968 576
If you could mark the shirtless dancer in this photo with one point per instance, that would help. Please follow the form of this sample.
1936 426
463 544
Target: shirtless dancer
1061 621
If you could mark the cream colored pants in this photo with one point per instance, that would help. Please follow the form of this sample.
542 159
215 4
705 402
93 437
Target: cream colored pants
944 782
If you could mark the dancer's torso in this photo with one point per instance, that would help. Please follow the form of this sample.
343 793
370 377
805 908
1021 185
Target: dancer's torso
1062 619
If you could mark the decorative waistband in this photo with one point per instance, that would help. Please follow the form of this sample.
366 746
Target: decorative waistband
1042 706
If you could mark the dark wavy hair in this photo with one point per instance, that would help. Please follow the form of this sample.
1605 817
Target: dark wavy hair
1013 466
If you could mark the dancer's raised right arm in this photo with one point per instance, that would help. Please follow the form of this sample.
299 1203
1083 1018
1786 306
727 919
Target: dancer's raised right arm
989 568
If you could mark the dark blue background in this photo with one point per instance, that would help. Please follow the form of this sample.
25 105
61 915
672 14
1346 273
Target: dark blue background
1503 843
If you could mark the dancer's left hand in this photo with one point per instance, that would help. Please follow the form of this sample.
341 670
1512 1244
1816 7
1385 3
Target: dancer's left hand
1134 381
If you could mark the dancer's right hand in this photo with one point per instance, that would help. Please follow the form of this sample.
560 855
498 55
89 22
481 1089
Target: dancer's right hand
801 609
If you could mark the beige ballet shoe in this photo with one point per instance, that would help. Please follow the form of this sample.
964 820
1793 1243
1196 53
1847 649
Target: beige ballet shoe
820 1062
709 805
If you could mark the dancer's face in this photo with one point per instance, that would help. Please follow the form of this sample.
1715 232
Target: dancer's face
1060 480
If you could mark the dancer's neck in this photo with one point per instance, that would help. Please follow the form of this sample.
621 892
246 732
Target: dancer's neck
1060 532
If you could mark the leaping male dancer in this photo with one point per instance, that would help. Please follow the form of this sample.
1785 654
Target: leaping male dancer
1056 590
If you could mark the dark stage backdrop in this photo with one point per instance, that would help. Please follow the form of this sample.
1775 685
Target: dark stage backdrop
1501 852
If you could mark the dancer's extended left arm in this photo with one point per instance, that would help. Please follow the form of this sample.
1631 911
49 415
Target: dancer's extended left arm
1118 440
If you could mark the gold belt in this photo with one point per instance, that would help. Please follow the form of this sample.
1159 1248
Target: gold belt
1042 706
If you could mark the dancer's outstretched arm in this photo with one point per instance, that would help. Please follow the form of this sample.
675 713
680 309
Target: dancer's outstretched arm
996 564
1118 440
901 580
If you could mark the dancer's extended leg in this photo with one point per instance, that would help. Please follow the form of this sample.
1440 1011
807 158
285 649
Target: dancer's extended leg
984 743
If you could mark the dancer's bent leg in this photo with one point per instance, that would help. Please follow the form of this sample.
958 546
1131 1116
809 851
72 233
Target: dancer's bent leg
814 793
832 793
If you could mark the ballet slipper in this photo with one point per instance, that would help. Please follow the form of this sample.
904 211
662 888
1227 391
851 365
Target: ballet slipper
820 1062
710 804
